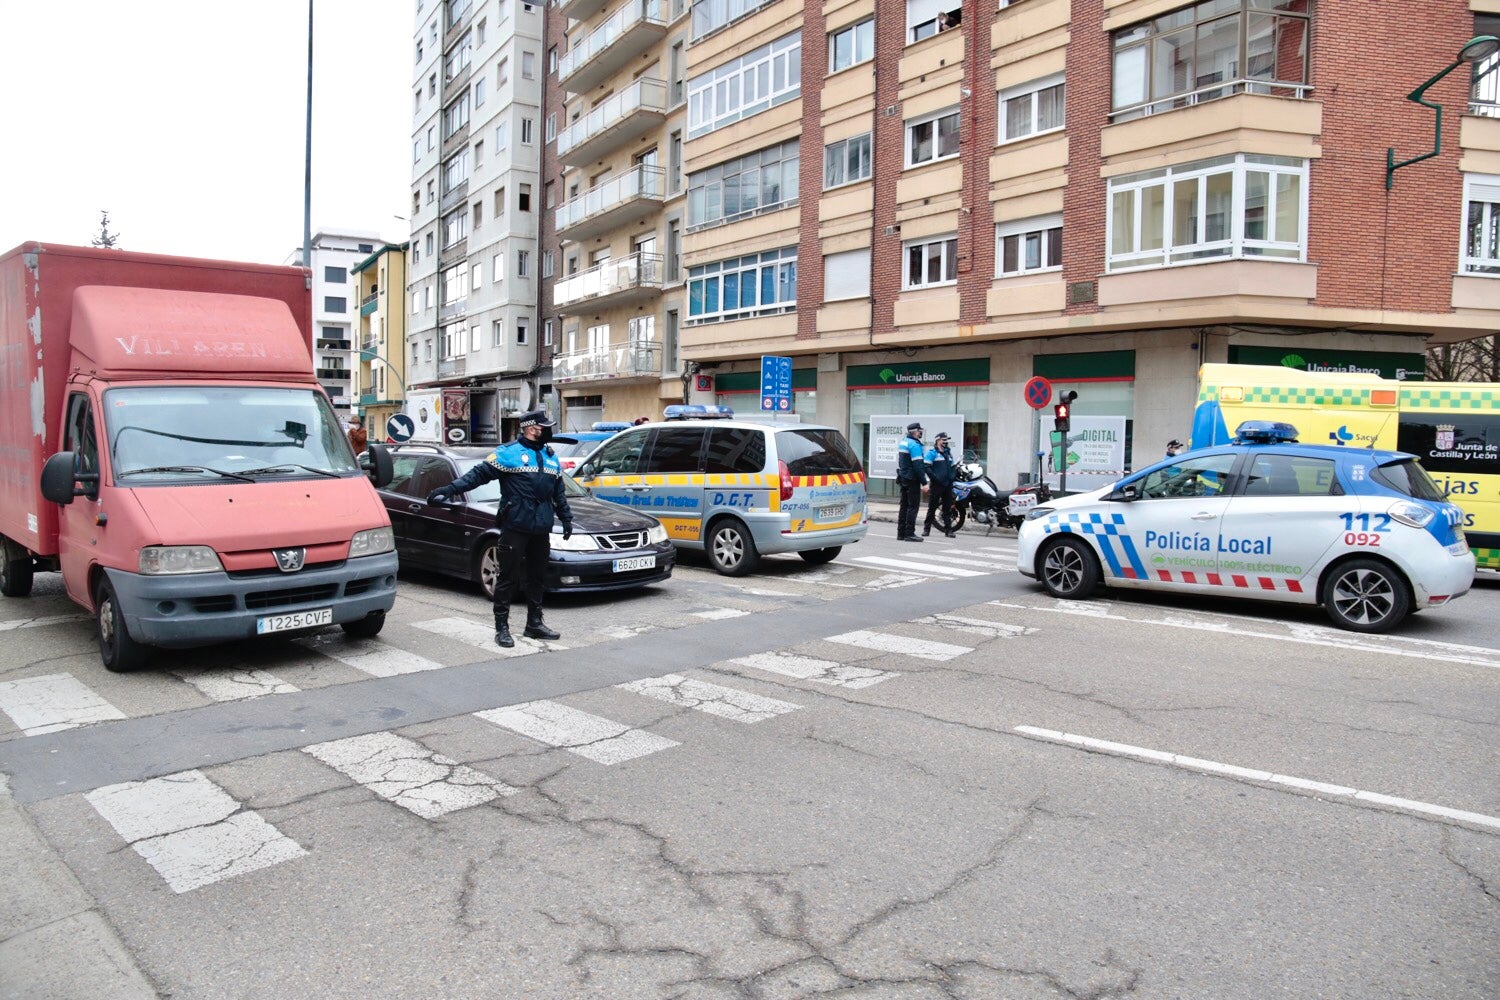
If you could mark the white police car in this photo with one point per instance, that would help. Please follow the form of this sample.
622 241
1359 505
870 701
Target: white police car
1365 533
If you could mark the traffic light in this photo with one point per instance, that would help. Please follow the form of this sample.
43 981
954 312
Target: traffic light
1061 410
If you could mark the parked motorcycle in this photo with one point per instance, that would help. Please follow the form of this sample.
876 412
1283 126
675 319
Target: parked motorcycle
976 495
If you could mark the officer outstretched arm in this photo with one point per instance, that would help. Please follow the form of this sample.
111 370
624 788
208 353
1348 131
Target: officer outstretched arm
477 476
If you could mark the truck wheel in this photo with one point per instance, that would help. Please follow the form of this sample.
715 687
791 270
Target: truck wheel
731 550
1068 569
1364 595
820 556
117 649
367 627
15 574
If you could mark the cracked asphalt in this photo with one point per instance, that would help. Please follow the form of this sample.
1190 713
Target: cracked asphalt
895 840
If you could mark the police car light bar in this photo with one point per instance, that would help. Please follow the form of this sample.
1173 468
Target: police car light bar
1265 432
697 411
610 425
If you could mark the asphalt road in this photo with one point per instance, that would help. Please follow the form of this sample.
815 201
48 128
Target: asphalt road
909 773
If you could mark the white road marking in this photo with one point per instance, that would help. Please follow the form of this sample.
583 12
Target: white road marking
369 656
760 592
483 636
977 626
39 622
890 581
599 739
909 566
235 685
1252 774
989 566
727 703
1310 635
810 668
405 772
717 614
627 631
190 830
53 702
922 649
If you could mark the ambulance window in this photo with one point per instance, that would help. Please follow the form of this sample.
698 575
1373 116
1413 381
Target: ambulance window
1410 478
676 449
620 456
1200 476
81 440
736 450
1291 476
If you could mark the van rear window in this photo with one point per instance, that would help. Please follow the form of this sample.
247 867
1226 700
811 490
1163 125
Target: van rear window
1406 476
813 452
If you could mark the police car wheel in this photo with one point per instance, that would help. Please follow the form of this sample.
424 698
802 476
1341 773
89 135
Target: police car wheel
1365 595
818 557
731 550
1068 569
487 569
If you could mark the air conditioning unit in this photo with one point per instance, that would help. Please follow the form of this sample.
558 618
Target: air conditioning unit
893 230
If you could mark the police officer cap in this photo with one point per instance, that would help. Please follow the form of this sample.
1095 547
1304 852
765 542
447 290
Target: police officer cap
913 426
538 418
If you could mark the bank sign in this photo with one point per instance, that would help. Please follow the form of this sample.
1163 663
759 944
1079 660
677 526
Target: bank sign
1387 364
919 374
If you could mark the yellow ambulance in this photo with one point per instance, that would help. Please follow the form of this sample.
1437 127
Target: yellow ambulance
1452 427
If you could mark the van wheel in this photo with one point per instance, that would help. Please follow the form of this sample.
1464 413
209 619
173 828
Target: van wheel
15 574
487 568
820 556
1364 595
117 649
1068 569
367 627
731 550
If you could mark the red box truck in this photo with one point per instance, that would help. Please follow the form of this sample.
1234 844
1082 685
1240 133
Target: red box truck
163 444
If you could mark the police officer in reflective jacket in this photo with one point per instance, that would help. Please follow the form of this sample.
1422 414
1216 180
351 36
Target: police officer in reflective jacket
911 477
531 496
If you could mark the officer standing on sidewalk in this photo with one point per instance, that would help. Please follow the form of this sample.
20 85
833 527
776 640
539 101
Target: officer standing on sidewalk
911 476
940 472
532 495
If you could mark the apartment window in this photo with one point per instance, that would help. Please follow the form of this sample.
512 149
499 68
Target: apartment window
1481 224
455 227
431 137
456 170
523 331
1031 109
476 275
453 284
528 65
1230 206
846 275
502 71
419 50
547 263
756 81
1210 50
932 138
931 262
427 295
431 191
416 101
416 150
497 334
429 244
497 267
499 202
851 45
523 202
552 59
338 275
546 333
416 301
745 186
551 126
456 115
335 304
710 16
674 162
528 127
502 137
846 161
523 263
1028 245
458 59
427 348
481 88
414 352
925 18
757 285
480 32
676 68
432 85
475 343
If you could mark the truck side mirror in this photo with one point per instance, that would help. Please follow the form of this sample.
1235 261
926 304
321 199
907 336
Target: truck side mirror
382 469
59 475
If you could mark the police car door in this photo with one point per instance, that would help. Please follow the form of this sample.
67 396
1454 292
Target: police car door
1170 536
1280 528
674 481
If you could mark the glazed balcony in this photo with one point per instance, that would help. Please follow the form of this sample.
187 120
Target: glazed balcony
609 48
635 278
582 10
618 362
615 202
627 115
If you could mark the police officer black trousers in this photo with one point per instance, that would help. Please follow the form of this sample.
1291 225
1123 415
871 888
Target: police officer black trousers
513 549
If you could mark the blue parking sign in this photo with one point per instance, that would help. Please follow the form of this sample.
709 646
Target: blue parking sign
775 383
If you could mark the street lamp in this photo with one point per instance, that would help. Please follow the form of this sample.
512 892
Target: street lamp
1476 49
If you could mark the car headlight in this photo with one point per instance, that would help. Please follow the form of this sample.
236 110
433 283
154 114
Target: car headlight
1413 514
371 542
1036 512
657 535
168 560
581 541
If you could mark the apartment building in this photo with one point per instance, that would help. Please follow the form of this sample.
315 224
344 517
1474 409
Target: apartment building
379 286
334 254
927 204
473 293
614 195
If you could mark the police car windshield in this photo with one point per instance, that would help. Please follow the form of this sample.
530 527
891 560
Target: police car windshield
490 492
813 452
1407 477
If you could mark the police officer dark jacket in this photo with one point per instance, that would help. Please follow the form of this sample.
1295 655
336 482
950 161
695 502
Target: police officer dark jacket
909 458
939 461
531 487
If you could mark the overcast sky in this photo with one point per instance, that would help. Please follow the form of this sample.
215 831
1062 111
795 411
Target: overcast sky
186 119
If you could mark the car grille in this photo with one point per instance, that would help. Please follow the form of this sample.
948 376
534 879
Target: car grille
210 605
617 540
295 595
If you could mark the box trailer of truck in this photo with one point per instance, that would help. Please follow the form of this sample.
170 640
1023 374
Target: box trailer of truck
165 446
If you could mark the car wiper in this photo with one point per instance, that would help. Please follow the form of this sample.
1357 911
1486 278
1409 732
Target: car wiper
290 465
185 468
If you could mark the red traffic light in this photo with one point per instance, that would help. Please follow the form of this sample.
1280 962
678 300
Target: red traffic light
1060 411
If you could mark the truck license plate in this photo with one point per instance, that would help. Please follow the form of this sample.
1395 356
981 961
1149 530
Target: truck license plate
634 563
295 620
833 511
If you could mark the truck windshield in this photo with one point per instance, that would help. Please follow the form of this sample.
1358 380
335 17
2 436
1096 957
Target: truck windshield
173 433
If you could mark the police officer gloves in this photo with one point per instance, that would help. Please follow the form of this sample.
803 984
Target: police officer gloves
567 530
439 496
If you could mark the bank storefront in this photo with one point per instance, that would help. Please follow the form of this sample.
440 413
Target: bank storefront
1402 365
960 387
1103 418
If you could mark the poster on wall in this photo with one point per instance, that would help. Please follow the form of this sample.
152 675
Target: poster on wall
1096 452
887 430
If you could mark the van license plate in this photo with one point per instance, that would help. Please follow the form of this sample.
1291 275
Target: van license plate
833 511
296 620
637 562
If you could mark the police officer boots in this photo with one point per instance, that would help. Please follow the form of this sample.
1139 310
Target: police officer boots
535 627
502 629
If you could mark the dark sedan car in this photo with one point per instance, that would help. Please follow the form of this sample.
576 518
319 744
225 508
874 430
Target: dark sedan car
612 548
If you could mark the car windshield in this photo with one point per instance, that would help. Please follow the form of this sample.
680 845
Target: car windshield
175 433
816 452
490 492
1406 476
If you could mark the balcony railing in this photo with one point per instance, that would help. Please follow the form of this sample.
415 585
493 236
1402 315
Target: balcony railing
453 197
627 279
616 201
712 16
632 112
1484 98
334 345
334 374
1212 92
619 361
368 303
627 33
452 310
449 367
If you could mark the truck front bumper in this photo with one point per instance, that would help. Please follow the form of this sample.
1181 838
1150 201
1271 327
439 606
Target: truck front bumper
200 609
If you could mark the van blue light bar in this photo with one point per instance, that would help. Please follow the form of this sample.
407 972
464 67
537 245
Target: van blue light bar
697 411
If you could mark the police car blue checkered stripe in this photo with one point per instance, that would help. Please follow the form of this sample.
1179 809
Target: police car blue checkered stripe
1102 527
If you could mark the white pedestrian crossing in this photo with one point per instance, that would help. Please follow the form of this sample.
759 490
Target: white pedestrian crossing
235 685
53 702
375 657
191 830
922 649
977 626
483 636
811 668
719 614
714 699
594 737
405 772
911 566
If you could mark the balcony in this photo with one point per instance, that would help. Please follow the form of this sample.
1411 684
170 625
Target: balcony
333 374
368 344
333 345
627 115
449 367
609 48
582 10
453 197
616 202
453 310
615 282
368 303
613 363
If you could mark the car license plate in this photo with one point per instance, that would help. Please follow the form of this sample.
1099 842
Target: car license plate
295 620
634 563
833 511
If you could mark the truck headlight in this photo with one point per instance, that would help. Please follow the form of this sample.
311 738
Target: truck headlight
581 541
371 542
1412 514
169 560
657 535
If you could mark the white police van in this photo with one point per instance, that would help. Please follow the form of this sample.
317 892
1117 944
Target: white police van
1365 533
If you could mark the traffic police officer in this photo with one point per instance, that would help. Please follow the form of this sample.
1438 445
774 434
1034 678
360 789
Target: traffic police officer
911 476
531 496
940 475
